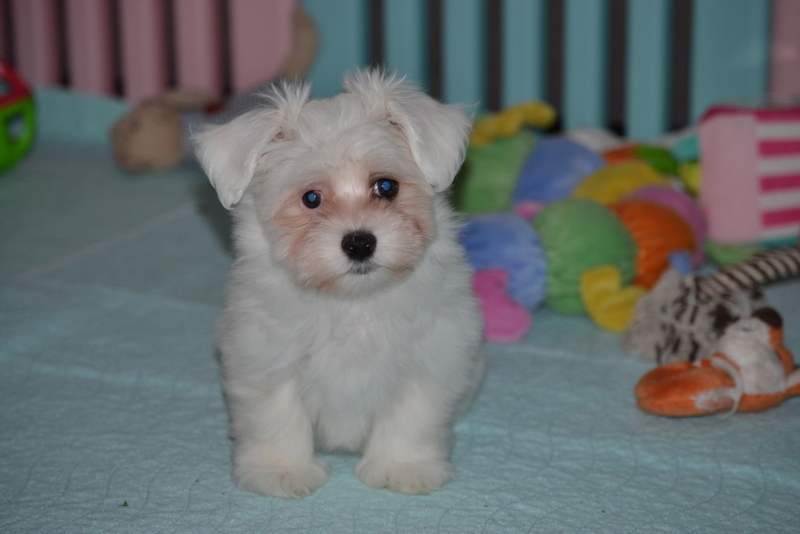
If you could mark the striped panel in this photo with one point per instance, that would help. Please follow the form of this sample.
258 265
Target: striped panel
198 45
778 165
143 47
524 52
260 25
36 40
5 30
464 47
730 51
139 48
343 42
89 45
638 66
585 56
406 39
785 49
648 68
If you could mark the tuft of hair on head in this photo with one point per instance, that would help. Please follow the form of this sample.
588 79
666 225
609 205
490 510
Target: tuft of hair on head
379 84
230 153
288 97
436 133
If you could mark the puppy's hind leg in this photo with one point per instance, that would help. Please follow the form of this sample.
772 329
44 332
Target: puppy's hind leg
409 446
274 444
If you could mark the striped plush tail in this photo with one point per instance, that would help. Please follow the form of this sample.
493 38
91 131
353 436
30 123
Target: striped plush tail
762 269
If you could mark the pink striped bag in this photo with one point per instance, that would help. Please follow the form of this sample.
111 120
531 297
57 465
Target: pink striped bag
750 189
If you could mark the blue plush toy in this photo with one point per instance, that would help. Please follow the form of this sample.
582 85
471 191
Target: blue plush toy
551 172
506 241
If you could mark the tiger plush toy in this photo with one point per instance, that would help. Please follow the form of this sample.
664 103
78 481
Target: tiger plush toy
683 317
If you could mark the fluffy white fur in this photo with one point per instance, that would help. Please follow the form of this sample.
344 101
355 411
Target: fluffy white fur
321 352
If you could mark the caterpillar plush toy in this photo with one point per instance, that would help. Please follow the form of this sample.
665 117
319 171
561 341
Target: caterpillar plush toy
583 237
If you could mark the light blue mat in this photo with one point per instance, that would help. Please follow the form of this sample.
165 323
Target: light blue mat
112 418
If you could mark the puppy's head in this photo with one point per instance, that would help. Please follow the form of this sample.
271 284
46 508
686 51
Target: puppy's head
343 187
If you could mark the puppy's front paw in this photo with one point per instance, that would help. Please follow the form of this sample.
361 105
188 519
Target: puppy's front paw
291 481
406 477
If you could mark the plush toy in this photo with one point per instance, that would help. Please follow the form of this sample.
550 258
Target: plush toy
499 145
750 371
683 205
659 158
17 117
504 319
152 136
155 135
684 316
501 160
606 226
511 120
579 235
551 173
751 174
599 238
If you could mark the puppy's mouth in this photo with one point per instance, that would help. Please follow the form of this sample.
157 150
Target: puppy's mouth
363 268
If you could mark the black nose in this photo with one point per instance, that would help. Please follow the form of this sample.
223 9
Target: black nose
359 246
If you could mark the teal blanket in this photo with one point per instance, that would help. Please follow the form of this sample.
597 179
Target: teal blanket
112 418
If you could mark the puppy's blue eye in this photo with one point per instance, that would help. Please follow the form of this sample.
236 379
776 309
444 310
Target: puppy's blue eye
312 199
385 188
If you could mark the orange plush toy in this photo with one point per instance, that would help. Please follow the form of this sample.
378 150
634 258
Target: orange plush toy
750 372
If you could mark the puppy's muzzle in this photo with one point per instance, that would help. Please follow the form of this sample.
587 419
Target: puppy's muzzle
359 246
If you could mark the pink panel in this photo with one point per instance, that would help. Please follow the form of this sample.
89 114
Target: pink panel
785 69
89 45
729 188
36 48
198 45
144 48
261 37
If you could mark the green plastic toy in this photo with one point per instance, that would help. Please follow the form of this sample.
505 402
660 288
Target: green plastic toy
17 117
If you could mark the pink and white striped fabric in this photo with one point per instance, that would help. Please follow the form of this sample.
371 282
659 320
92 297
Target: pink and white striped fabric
750 189
140 48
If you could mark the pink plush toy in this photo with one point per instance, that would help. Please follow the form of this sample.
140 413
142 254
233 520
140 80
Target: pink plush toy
750 188
504 319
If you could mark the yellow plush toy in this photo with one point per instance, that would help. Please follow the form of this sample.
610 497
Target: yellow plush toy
511 120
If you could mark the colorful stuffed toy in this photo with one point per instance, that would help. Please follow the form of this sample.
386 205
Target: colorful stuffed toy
551 173
751 174
599 237
750 371
499 145
508 122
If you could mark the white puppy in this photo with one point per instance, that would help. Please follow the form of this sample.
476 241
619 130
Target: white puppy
350 323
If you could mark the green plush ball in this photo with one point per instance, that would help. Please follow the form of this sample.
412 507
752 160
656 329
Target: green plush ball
489 174
579 234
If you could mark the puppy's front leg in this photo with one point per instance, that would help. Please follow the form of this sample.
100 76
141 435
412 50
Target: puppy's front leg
409 446
274 444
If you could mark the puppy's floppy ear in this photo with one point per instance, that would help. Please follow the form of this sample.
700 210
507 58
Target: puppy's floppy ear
436 133
230 153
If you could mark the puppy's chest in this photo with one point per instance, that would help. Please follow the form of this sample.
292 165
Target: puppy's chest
348 346
357 357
